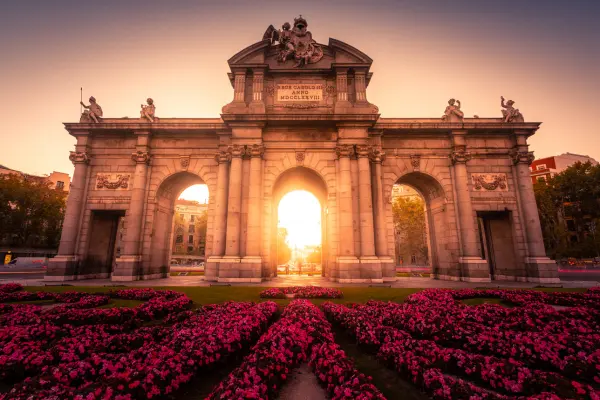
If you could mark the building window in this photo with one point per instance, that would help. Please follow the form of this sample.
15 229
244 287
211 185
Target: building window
60 185
191 229
540 167
190 249
179 239
191 239
192 218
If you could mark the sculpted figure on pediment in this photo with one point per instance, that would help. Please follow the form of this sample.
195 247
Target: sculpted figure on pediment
297 43
453 112
92 113
510 114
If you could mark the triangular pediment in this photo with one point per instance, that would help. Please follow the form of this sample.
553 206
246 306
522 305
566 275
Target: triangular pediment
265 53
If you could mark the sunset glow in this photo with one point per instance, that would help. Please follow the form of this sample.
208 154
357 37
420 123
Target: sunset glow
300 213
198 193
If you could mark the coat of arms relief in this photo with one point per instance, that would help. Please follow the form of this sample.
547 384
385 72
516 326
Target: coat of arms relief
296 43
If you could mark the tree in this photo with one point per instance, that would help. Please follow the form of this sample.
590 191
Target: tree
573 195
409 222
284 253
31 213
315 256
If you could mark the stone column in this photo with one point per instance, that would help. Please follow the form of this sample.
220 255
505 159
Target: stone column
252 261
381 246
129 264
369 263
474 268
220 221
220 225
234 203
63 266
347 262
540 268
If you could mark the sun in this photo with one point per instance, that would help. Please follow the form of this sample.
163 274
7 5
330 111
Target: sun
300 213
195 192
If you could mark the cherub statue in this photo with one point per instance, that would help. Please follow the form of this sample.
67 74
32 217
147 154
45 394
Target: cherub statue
148 110
510 114
452 112
93 111
284 37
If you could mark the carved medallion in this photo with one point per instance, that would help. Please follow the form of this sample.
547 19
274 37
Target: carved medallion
111 181
415 161
300 158
489 182
185 162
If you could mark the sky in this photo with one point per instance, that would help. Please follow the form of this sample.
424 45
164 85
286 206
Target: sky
303 228
544 54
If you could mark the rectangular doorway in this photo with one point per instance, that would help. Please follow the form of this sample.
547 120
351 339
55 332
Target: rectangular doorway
104 242
497 244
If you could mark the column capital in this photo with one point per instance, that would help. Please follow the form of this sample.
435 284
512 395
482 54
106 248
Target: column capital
377 155
141 157
345 151
363 150
222 157
460 156
521 157
236 151
256 150
79 157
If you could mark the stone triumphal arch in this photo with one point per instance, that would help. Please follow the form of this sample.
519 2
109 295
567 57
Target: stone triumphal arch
300 119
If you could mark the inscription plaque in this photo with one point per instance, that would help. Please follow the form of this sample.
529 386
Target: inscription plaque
299 92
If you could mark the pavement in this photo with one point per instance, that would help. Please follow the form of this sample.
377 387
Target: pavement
295 280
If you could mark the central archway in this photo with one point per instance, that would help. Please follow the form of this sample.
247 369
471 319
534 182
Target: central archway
299 179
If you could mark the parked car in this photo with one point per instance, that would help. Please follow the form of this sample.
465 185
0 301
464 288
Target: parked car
28 262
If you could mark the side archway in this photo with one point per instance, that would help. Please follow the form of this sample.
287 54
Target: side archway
161 241
441 229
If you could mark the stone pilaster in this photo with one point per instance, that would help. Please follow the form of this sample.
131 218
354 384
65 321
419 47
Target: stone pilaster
342 104
220 221
238 105
473 267
251 263
63 266
348 264
540 268
129 264
257 106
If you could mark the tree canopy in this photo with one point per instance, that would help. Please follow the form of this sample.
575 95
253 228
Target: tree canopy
409 222
573 195
31 213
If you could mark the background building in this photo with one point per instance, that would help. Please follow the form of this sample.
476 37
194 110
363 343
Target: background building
189 227
59 180
545 168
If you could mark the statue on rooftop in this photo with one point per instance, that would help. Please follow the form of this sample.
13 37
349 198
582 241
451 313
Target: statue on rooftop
297 43
148 111
93 112
452 112
510 114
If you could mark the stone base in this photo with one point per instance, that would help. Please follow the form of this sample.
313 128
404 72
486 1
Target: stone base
61 268
360 280
541 270
143 277
474 269
511 278
443 277
127 268
234 269
240 280
388 269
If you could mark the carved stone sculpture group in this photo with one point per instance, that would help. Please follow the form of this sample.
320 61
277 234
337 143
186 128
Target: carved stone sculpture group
510 114
93 112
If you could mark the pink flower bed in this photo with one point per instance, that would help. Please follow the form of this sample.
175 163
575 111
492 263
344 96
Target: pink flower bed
451 350
302 292
301 335
75 351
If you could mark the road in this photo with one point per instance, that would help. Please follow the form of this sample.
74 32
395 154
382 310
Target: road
566 275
